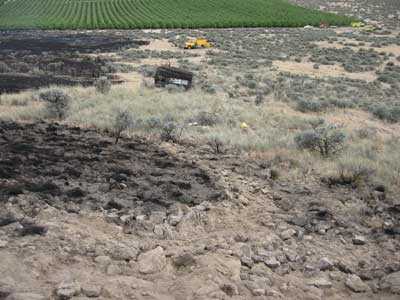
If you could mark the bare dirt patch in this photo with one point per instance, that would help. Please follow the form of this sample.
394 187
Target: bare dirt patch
307 68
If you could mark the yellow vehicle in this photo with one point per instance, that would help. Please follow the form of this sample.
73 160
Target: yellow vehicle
363 26
197 43
357 24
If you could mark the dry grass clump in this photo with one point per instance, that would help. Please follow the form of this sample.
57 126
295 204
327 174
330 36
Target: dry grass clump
22 106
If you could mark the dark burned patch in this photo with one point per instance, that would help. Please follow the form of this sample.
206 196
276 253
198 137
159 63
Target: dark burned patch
62 165
40 59
11 83
36 42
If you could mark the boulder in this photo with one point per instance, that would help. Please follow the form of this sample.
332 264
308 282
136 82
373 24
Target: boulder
152 261
184 260
391 283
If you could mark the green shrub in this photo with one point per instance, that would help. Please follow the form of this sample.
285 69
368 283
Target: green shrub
209 89
57 103
251 84
384 112
325 139
310 105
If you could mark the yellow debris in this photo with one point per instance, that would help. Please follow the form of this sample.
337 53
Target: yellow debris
243 125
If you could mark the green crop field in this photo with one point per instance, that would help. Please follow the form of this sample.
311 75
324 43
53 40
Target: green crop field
128 14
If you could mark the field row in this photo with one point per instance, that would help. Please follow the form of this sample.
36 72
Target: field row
98 14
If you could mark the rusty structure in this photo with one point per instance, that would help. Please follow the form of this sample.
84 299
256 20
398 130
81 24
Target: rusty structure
170 75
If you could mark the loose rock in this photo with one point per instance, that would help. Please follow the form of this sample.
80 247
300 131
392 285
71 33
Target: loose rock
152 261
391 283
359 240
25 296
320 283
325 264
287 234
67 290
91 290
354 283
272 262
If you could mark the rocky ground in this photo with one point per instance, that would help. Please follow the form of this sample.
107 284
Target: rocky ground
82 217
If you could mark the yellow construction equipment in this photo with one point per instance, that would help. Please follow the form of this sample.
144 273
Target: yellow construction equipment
363 26
357 24
197 43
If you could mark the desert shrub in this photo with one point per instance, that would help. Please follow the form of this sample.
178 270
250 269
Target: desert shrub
170 130
259 98
216 144
57 103
205 118
123 121
342 103
103 85
113 67
209 89
4 68
249 76
19 102
354 172
384 112
251 84
326 139
366 132
147 70
55 67
172 88
304 105
153 123
21 67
